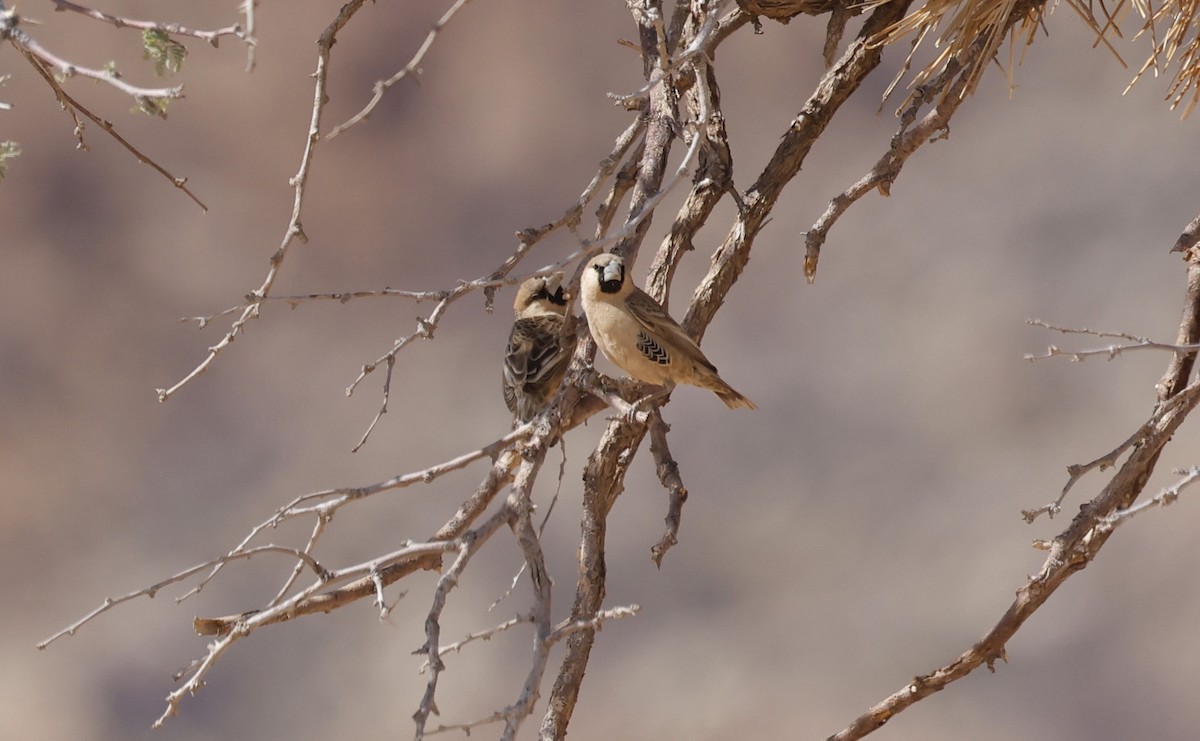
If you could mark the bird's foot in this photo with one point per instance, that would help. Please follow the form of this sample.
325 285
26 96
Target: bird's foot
639 411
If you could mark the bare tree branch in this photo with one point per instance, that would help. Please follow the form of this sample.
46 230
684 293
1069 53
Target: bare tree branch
668 474
1167 496
946 92
680 99
295 229
71 105
1073 548
412 68
1109 352
210 37
10 30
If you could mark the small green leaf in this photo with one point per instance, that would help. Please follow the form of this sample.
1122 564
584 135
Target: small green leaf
167 53
8 150
152 106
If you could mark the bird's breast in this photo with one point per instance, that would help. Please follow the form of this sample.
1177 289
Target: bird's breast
624 341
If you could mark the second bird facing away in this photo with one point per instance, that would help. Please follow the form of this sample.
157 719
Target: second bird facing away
537 355
635 332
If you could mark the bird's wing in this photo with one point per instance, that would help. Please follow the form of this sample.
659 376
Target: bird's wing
659 324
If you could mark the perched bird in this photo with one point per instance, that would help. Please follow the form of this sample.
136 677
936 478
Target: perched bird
537 355
635 332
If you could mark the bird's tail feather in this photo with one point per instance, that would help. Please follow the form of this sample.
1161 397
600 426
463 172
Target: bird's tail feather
734 400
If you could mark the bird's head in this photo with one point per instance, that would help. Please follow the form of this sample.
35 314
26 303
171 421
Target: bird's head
607 271
541 294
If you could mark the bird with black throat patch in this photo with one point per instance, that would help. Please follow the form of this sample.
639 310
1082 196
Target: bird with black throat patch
635 332
537 354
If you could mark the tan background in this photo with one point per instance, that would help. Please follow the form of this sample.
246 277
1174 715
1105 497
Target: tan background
861 527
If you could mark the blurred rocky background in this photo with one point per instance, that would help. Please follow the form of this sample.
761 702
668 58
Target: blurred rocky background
861 527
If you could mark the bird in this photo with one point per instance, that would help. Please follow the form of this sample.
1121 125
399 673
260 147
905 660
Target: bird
635 332
537 354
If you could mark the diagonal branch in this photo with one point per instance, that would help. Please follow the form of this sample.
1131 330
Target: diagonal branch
1072 550
566 411
859 60
210 37
946 92
412 68
26 43
71 105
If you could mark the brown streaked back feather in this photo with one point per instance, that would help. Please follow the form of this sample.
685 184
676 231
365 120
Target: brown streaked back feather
535 361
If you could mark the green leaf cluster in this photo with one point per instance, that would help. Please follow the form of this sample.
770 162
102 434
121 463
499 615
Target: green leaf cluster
167 53
8 150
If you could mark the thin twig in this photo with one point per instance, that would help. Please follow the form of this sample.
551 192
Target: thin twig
383 406
944 91
341 297
483 635
1110 351
323 504
412 68
294 230
1165 497
25 42
152 590
211 37
67 101
1076 546
569 627
250 622
317 531
468 546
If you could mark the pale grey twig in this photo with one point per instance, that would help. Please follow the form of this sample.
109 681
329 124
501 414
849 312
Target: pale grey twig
1165 497
412 68
153 589
1111 351
66 68
467 546
210 37
299 182
252 621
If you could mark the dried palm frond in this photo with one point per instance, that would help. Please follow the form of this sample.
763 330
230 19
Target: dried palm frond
971 32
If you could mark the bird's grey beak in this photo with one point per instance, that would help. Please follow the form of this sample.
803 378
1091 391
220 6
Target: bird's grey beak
613 271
